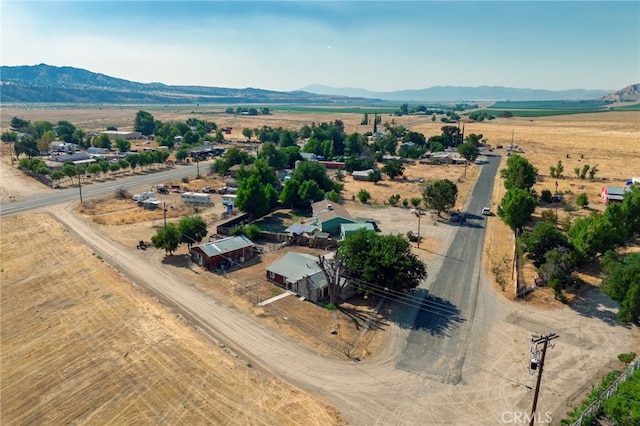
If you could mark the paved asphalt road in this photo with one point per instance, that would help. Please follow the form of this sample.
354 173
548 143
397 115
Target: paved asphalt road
437 343
93 190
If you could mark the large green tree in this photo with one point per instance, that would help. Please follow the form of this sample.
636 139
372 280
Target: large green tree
252 197
144 123
440 195
192 229
381 262
469 151
167 238
544 237
516 208
519 173
393 168
622 283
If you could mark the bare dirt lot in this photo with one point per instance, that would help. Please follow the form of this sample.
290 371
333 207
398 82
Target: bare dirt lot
80 308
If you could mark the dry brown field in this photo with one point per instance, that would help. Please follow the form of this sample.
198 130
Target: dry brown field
80 344
117 347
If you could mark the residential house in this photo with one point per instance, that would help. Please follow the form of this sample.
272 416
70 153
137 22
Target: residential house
223 253
328 216
612 194
301 274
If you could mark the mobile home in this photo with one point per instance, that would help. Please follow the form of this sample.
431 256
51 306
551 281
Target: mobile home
199 198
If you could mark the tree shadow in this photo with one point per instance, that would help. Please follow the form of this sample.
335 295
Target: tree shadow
177 260
361 319
420 310
591 302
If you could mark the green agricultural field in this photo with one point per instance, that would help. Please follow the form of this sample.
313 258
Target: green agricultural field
582 106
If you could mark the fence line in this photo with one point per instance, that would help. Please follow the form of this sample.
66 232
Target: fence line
594 407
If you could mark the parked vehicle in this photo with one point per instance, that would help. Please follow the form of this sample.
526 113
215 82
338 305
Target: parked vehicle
486 211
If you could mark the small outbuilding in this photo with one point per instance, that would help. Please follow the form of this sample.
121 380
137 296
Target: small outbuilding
223 253
612 194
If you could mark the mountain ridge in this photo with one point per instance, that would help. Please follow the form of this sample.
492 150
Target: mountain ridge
463 93
44 83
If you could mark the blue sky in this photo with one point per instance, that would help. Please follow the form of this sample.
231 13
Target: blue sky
379 45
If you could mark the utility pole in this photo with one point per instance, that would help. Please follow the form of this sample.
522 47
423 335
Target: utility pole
164 214
418 213
80 186
545 341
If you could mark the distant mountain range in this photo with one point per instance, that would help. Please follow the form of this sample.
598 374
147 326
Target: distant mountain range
462 93
628 94
51 84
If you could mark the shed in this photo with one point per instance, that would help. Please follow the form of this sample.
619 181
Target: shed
612 194
361 174
223 253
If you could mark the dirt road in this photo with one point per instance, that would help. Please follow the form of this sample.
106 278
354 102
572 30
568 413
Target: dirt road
376 391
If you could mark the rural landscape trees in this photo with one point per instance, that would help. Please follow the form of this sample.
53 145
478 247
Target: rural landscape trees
377 261
440 195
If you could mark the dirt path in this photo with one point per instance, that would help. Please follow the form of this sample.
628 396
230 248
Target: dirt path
375 391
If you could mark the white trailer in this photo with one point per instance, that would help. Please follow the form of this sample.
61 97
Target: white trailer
199 198
229 199
144 196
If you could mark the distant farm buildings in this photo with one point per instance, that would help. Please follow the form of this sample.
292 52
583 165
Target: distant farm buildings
121 134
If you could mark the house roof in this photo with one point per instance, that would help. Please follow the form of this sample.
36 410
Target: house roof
615 190
295 266
225 245
299 228
362 173
326 210
352 227
71 157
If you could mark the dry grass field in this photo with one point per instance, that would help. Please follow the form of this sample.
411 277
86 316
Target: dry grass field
82 345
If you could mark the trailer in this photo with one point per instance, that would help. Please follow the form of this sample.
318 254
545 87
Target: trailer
198 198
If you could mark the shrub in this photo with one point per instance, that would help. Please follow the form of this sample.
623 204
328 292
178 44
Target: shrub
394 200
364 196
333 196
549 215
330 307
251 231
546 196
582 200
405 202
627 358
122 194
